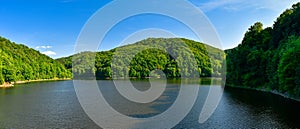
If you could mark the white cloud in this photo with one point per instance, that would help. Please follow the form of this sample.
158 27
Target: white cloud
49 53
43 47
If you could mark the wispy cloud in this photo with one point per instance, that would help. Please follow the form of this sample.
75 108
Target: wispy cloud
66 1
231 8
43 47
208 6
236 5
49 53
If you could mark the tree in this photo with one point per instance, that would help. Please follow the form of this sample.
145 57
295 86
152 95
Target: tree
1 78
268 58
288 67
9 74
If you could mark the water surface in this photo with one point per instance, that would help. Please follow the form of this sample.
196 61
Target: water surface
55 105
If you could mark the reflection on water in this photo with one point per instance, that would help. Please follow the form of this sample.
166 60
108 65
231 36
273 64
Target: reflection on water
120 103
54 105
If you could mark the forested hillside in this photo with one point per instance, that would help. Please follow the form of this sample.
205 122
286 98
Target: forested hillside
269 58
137 60
18 63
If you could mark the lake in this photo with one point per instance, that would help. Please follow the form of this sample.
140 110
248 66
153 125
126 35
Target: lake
55 105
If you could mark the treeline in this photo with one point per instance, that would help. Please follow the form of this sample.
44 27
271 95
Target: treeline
175 57
269 58
19 63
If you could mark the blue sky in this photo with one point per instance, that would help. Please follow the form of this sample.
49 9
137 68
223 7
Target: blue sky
52 26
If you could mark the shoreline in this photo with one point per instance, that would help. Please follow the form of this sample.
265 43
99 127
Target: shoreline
6 85
266 91
10 85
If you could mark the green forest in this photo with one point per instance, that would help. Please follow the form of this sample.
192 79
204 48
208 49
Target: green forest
19 63
175 57
268 58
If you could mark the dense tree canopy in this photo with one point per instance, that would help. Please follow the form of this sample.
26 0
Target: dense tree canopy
268 58
175 57
18 63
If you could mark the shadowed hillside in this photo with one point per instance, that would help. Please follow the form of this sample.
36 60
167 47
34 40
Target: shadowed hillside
269 58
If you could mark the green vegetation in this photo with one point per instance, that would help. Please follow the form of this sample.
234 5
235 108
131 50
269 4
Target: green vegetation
172 56
269 58
19 63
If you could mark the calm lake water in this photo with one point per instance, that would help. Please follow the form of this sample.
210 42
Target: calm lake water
55 105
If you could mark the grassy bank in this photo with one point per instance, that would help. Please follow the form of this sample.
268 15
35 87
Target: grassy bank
9 85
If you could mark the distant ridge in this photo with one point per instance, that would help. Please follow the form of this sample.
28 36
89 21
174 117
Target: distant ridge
210 61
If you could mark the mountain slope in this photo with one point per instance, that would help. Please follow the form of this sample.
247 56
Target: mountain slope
18 63
269 58
150 56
